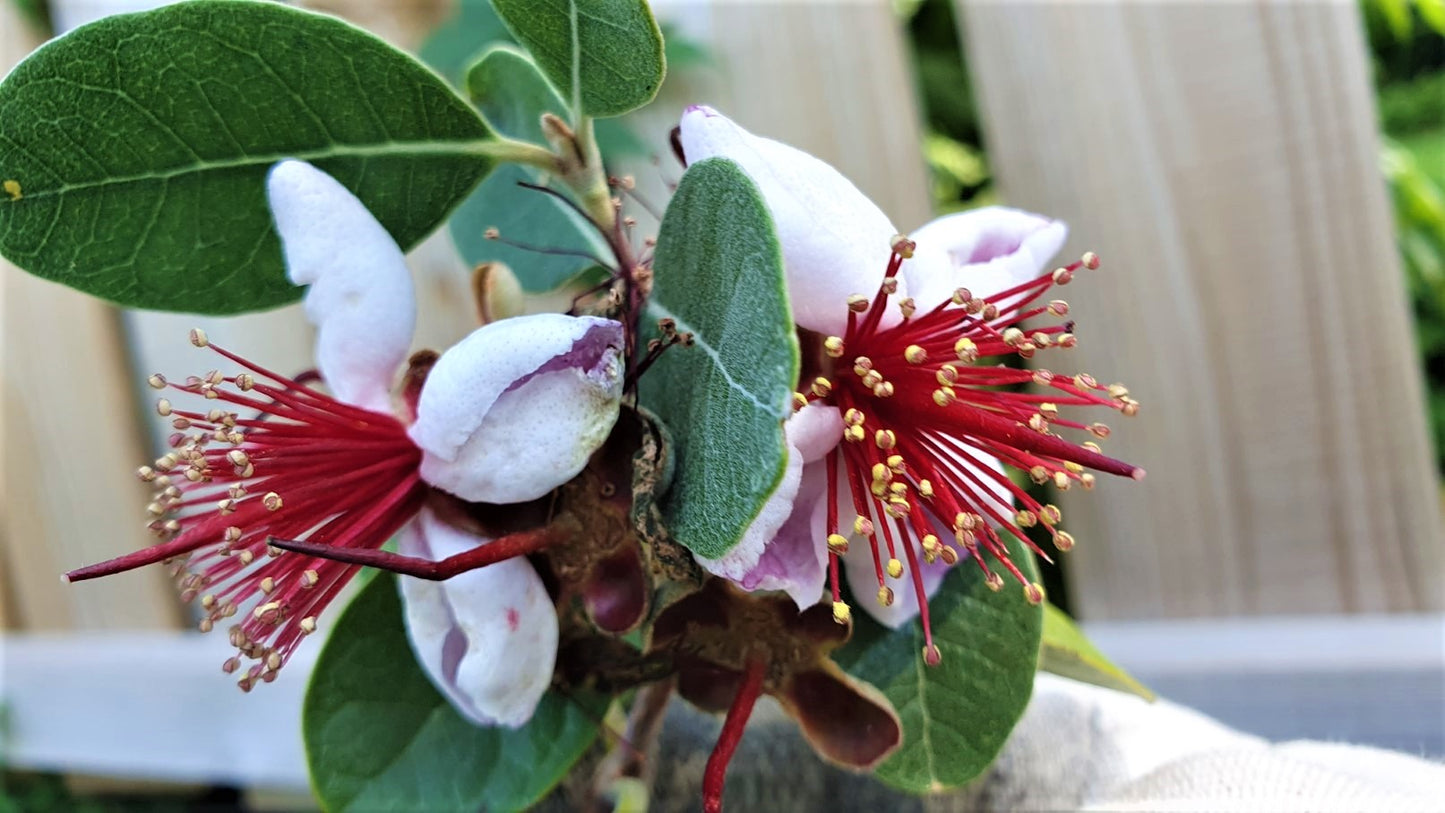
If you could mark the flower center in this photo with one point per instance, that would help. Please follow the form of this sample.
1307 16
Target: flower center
923 419
302 465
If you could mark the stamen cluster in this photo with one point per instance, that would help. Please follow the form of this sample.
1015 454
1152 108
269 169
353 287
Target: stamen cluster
298 465
922 418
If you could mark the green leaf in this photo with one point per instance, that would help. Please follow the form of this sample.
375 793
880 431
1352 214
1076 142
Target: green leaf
1433 13
512 94
529 217
380 737
605 56
957 715
718 271
1064 650
134 150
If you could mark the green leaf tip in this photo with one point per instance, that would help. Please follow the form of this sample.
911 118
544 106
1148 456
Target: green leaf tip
1065 650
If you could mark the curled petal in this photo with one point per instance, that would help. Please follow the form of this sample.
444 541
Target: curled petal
846 721
361 298
795 560
985 250
487 638
836 242
516 408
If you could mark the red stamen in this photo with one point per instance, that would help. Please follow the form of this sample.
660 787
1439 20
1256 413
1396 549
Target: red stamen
498 550
715 774
305 467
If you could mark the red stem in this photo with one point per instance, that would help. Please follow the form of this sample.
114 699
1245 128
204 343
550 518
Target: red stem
732 733
498 550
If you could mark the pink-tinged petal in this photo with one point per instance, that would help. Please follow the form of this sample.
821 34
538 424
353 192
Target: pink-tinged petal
487 638
516 408
796 560
737 563
814 430
360 297
985 250
836 242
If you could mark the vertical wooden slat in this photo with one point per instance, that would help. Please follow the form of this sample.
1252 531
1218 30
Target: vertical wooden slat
1222 158
829 78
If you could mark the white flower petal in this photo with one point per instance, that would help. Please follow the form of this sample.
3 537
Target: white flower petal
361 298
516 408
862 577
486 638
737 563
836 242
814 430
985 250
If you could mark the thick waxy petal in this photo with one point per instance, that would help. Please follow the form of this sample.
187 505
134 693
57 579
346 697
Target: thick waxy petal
488 637
846 721
836 242
516 408
783 547
361 298
984 250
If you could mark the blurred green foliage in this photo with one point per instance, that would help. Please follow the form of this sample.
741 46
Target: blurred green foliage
1407 43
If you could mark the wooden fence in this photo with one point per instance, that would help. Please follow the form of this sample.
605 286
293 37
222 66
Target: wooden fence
1221 158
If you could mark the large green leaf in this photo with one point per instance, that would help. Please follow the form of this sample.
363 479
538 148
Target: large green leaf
718 271
135 149
1064 650
512 94
380 737
957 715
604 55
455 43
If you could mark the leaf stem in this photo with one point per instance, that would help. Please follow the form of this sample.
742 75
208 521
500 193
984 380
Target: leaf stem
520 152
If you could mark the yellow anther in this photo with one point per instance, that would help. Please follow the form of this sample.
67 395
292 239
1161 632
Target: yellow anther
931 655
1051 515
1064 541
273 661
863 526
272 501
1049 410
883 390
872 378
1034 592
146 473
948 555
171 526
822 387
247 557
963 521
268 612
881 473
1039 475
1067 340
1043 377
889 286
1130 407
244 382
943 396
990 312
310 578
907 307
1099 430
854 417
1058 307
163 406
993 581
902 246
841 613
862 365
1118 390
1062 481
238 458
799 401
975 306
914 354
833 346
895 569
854 433
898 489
268 584
1072 466
198 337
155 509
885 596
1087 481
961 296
1090 260
895 463
885 439
1063 276
857 303
157 381
925 489
1012 336
837 544
897 507
966 350
308 625
1026 519
1038 423
238 491
1084 381
231 534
